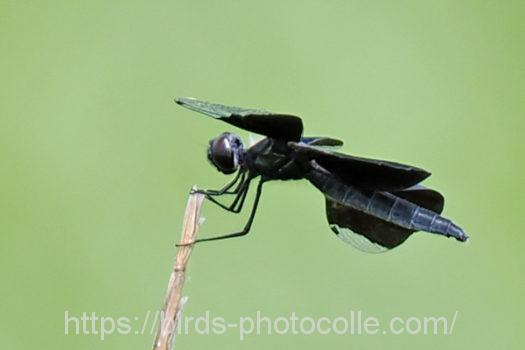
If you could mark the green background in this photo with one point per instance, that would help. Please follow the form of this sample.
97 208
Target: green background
96 161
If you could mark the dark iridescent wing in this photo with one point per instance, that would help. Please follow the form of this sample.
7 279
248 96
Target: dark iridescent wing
278 126
365 232
371 234
366 173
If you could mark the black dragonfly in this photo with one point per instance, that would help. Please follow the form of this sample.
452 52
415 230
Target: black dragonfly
375 205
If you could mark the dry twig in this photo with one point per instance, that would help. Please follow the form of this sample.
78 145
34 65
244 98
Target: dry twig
172 303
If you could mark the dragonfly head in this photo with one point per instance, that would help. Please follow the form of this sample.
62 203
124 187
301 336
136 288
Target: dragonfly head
226 152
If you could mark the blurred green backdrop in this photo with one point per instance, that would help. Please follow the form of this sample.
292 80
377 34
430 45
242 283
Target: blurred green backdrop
96 162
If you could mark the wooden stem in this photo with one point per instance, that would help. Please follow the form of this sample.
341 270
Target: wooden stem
172 303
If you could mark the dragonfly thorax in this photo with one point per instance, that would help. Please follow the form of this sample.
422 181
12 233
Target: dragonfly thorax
226 152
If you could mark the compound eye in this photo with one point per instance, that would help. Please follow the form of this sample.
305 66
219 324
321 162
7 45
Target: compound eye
222 153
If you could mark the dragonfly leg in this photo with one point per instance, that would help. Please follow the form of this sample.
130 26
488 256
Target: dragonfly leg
224 190
246 228
241 182
241 202
239 199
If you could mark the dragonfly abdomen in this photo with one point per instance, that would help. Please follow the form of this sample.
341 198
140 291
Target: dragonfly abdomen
412 216
386 206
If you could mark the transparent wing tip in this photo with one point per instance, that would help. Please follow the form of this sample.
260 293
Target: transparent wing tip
184 100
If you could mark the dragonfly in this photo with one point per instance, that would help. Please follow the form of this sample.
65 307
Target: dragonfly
374 205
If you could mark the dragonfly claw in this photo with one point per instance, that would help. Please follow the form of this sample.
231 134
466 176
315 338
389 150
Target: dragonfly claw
197 191
184 244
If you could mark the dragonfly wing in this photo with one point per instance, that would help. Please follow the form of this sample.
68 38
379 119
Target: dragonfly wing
373 174
278 126
365 232
326 143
